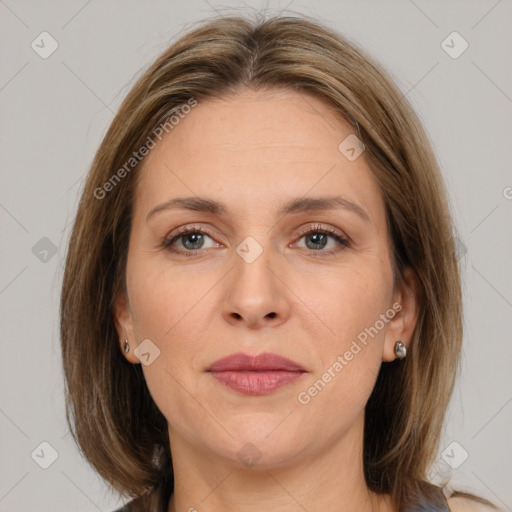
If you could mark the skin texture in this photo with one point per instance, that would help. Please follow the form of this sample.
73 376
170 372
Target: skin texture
253 152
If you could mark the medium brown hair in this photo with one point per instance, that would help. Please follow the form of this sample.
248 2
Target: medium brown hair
112 416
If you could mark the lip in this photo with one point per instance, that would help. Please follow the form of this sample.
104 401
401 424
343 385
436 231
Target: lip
255 374
261 362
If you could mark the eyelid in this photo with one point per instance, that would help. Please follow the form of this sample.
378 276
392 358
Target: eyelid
317 226
187 228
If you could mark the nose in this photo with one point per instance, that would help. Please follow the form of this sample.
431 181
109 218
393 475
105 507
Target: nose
257 295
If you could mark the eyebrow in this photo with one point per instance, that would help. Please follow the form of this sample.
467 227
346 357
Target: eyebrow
305 204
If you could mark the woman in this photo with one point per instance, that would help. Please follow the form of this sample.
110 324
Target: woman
261 306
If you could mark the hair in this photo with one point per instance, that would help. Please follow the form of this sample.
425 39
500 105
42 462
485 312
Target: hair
110 411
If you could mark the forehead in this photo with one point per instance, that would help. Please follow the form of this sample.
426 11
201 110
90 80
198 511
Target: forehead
263 147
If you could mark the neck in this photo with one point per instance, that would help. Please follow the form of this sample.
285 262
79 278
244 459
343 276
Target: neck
331 480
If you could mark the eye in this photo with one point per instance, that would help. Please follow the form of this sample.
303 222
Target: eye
317 239
191 238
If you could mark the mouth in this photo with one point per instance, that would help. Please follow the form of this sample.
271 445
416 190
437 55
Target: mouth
255 375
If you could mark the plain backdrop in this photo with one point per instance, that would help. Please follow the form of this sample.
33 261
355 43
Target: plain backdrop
54 112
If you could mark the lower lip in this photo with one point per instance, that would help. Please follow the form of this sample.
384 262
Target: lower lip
256 383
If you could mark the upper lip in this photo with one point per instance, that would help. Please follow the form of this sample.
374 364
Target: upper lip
261 362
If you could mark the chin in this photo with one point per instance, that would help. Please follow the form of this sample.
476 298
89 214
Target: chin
257 451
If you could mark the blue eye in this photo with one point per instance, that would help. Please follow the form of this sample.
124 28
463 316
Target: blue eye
192 240
320 239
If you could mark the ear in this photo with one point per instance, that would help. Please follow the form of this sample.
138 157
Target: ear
401 327
123 320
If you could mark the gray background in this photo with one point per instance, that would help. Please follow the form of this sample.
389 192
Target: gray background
54 113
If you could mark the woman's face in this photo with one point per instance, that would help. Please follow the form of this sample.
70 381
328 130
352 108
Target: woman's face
248 278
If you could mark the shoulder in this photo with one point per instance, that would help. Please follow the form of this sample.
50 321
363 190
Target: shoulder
464 504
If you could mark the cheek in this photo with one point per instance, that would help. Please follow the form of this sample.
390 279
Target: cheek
354 307
352 302
168 309
164 300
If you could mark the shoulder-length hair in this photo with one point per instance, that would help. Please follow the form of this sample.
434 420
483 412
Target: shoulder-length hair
110 411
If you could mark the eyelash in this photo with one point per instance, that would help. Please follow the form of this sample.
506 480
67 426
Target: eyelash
169 240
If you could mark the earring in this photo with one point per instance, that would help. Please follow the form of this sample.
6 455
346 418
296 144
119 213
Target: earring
126 347
400 350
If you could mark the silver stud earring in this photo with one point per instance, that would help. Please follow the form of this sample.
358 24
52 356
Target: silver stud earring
126 347
400 350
